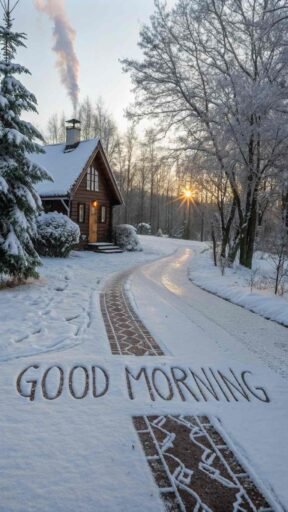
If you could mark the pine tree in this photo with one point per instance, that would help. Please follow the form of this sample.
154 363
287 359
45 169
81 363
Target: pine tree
19 201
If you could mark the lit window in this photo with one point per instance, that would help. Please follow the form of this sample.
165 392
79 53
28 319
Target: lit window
81 213
103 214
92 179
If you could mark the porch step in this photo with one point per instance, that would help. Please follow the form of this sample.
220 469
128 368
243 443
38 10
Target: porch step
104 248
111 251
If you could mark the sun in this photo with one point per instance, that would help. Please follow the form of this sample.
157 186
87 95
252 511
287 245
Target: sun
188 194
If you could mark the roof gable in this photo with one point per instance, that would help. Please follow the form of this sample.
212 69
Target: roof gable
64 167
108 174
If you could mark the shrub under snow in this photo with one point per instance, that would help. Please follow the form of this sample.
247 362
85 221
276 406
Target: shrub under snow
143 228
126 237
57 234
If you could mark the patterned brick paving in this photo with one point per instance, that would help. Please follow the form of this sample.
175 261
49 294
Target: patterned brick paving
194 468
126 333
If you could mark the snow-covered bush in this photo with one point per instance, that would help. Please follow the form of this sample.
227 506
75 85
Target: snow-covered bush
126 237
143 228
159 233
56 234
3 281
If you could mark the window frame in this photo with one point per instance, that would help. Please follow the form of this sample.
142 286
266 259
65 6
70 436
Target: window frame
103 208
80 205
92 180
88 182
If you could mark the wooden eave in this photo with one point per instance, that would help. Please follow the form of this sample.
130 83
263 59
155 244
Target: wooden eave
55 197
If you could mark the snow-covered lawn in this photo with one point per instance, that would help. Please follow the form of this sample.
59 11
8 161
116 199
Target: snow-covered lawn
252 289
57 311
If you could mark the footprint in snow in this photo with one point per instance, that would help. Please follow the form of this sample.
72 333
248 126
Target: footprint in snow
70 318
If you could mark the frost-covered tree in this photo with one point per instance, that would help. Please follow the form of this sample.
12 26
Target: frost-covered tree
216 71
19 201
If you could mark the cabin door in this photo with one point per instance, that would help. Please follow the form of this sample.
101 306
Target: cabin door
93 222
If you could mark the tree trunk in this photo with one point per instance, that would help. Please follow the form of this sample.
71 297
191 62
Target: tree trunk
214 245
226 225
202 227
248 234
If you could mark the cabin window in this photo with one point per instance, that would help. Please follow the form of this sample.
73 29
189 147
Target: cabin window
103 214
92 179
81 213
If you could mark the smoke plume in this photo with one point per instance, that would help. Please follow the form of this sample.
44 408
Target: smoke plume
64 36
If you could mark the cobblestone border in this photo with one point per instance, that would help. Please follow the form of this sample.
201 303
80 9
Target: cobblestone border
126 333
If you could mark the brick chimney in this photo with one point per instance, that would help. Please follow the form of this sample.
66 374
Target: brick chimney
73 133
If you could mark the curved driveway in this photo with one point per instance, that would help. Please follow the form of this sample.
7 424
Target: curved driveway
186 320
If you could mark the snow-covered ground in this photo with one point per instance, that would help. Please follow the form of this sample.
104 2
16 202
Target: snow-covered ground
57 311
252 289
84 454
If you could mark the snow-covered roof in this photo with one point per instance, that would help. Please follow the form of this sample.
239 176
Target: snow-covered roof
64 167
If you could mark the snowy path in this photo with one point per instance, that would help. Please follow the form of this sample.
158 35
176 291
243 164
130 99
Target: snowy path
169 304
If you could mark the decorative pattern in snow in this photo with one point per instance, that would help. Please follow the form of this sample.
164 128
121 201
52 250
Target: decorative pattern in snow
126 333
194 467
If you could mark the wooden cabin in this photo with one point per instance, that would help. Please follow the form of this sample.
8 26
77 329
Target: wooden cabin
84 187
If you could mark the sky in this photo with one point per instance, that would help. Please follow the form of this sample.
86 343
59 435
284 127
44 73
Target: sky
106 31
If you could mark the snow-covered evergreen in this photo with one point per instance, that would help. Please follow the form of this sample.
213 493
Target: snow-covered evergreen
19 202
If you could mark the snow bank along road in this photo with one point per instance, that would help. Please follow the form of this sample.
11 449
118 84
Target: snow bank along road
195 422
